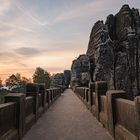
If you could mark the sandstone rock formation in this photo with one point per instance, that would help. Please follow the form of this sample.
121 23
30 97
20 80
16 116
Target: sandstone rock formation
114 51
58 80
80 71
100 53
67 76
61 79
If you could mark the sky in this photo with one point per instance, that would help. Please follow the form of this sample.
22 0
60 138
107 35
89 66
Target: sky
48 33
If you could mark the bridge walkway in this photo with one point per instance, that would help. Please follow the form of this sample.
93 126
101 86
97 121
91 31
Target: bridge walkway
67 119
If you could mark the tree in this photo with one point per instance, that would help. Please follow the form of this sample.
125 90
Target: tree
12 80
0 82
41 76
16 83
25 80
15 79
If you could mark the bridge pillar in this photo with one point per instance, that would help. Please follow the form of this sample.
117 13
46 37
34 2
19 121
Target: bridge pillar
33 90
19 98
111 96
100 89
91 90
43 95
137 104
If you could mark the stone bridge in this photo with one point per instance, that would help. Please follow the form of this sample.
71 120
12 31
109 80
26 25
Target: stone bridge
101 114
24 116
111 63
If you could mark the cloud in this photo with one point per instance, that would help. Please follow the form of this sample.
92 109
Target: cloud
94 8
27 51
21 28
56 69
22 64
7 29
28 14
9 58
26 42
89 8
4 6
5 54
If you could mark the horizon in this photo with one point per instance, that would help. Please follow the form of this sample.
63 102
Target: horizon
48 34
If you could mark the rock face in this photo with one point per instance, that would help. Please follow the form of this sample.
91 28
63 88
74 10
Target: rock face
80 71
100 53
61 79
114 51
67 77
58 80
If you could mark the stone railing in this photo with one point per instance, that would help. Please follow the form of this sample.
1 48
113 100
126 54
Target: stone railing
120 116
20 111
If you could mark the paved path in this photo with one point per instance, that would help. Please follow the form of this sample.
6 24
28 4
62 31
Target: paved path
67 119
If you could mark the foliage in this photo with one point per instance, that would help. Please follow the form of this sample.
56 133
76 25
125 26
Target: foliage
16 83
0 82
57 80
16 79
1 98
41 76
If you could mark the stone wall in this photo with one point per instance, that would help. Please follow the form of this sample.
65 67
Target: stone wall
20 111
8 121
120 116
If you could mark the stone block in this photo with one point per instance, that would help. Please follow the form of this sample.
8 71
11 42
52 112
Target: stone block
111 96
32 90
19 98
100 89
